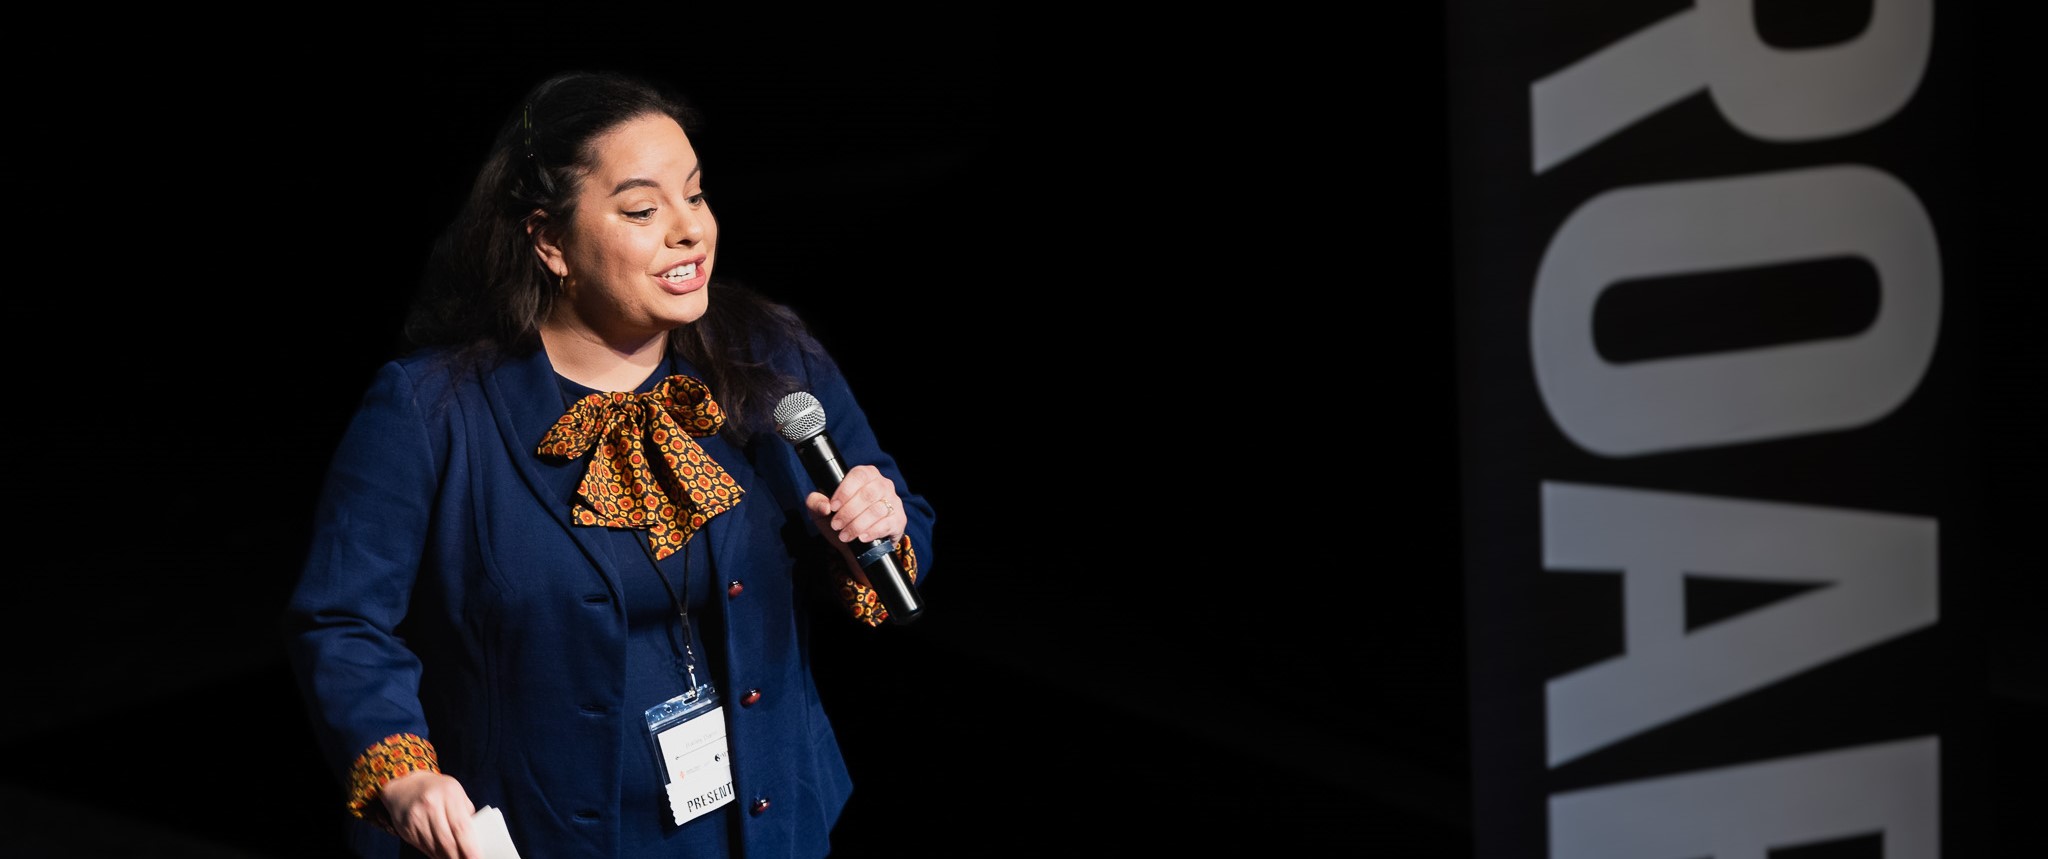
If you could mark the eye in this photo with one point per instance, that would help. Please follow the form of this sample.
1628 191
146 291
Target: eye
695 199
641 215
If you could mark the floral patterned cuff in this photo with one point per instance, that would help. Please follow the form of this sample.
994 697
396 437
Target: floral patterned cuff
862 600
396 755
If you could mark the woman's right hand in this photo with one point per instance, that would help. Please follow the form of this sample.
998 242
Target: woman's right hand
431 812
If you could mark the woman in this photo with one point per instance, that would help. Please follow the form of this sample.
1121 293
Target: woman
562 565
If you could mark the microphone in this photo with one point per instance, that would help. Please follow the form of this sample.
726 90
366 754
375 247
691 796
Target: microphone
801 420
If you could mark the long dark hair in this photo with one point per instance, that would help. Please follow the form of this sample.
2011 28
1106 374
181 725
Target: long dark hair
484 291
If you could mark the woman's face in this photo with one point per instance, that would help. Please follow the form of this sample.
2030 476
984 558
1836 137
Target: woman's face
636 256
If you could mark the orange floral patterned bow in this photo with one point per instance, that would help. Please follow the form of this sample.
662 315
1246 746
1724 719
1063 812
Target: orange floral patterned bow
623 488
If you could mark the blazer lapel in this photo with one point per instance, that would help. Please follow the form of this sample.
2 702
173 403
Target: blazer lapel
525 401
728 535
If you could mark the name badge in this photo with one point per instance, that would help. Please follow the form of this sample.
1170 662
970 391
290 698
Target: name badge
689 733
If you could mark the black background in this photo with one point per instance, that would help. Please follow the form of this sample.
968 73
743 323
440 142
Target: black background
1155 312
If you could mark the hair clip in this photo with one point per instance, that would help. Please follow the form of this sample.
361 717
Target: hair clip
526 121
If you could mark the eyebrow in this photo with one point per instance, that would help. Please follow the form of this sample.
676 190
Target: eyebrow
630 184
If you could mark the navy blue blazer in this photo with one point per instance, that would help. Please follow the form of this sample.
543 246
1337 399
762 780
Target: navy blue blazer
447 595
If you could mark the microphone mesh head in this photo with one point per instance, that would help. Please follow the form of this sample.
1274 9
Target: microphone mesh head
799 416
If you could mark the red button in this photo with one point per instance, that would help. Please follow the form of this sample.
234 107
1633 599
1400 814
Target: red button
733 590
753 695
760 805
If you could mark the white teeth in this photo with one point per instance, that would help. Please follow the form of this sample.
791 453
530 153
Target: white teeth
684 273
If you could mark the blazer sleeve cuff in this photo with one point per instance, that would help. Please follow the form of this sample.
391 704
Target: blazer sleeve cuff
377 766
862 601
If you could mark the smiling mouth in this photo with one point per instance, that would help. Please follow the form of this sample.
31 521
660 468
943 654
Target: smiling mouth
679 274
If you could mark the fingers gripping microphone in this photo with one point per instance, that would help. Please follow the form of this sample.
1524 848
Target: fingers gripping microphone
801 420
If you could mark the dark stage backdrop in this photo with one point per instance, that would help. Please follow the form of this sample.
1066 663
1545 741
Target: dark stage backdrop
1162 314
1156 313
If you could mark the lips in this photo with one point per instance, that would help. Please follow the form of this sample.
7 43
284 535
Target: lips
685 277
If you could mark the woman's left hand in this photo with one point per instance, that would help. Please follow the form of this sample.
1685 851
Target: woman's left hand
865 507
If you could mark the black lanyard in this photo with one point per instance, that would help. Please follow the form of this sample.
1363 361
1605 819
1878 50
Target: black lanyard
680 599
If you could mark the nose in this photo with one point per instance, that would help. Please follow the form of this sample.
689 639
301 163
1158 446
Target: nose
690 226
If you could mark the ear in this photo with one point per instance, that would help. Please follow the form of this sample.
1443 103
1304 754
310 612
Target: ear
545 244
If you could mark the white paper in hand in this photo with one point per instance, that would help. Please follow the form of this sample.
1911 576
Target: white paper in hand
488 826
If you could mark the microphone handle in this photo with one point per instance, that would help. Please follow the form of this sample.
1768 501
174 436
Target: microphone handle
876 557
